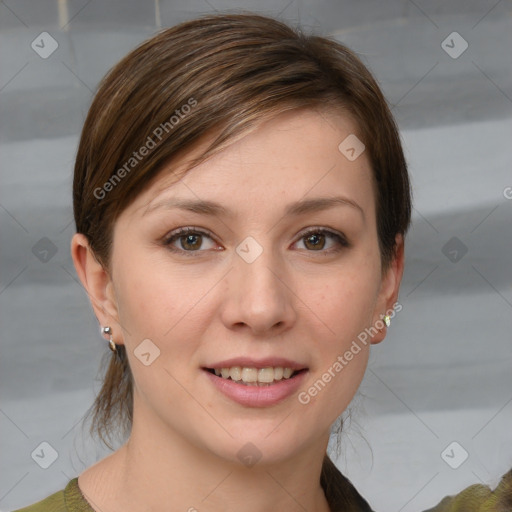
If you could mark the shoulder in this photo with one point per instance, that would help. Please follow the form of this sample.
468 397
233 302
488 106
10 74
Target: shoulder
53 503
478 498
70 499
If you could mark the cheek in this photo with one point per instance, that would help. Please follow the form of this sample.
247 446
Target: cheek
344 307
141 308
346 311
345 303
156 304
159 302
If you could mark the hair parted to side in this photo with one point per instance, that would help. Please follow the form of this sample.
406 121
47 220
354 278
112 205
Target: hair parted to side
232 71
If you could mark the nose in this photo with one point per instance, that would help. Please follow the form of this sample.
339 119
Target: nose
259 296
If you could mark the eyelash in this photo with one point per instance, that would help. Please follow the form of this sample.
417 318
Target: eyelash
177 234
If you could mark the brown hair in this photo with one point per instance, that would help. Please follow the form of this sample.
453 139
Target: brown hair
218 75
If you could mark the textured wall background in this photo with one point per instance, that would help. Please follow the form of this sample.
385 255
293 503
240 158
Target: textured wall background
443 374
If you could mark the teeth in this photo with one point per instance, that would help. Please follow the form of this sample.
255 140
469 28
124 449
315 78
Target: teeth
235 373
254 376
249 375
265 375
278 373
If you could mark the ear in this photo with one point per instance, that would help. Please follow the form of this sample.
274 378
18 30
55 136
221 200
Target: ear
388 293
97 284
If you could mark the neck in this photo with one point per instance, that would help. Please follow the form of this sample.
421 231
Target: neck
157 467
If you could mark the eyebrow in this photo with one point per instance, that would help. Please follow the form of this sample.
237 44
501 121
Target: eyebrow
215 209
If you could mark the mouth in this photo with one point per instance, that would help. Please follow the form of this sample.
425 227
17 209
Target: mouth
257 377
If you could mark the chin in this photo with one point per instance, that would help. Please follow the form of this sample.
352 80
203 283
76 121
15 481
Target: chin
269 441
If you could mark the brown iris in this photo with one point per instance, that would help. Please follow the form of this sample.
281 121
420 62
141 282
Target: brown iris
317 239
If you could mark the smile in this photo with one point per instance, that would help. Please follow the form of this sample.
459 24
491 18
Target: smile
256 387
251 376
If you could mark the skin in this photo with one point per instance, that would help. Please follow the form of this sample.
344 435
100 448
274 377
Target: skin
297 300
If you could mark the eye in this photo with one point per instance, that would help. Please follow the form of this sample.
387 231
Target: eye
316 239
189 239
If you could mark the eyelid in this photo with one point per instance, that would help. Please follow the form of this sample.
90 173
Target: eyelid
189 229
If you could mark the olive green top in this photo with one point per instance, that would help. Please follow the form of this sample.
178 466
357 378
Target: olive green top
476 498
69 499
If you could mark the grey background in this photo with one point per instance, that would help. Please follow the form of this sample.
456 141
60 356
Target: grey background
443 374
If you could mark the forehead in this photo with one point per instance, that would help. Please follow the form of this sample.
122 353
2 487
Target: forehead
294 155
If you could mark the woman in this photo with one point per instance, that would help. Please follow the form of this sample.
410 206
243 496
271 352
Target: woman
241 199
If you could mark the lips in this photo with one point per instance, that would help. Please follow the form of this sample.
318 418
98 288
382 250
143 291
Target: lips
256 383
256 372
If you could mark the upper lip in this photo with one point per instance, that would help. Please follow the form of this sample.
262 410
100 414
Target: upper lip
266 362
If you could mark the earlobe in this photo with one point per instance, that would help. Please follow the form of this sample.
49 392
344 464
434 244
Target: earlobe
95 280
387 301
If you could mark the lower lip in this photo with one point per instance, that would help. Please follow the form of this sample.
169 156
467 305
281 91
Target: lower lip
257 396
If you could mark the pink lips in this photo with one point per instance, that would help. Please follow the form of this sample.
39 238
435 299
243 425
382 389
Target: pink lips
257 396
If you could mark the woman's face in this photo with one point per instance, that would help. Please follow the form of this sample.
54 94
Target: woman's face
266 277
